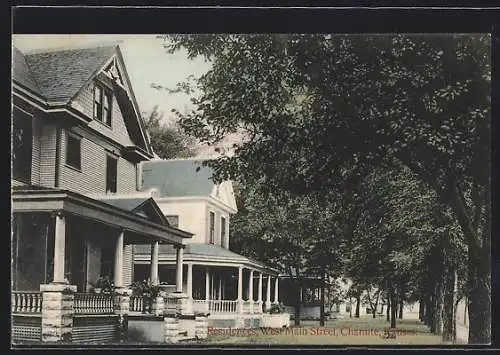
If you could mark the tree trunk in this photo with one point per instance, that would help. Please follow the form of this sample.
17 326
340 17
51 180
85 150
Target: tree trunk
421 310
394 307
449 293
438 310
401 304
479 267
382 308
358 301
388 310
297 304
322 307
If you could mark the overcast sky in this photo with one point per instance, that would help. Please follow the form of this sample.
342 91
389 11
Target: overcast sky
145 58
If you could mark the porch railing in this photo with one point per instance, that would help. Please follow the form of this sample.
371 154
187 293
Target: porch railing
136 304
222 306
246 307
200 305
170 304
90 303
257 308
26 302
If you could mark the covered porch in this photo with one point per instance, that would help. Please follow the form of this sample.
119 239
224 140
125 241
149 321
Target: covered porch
226 285
62 242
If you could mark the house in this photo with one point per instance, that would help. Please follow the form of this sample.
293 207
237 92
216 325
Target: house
232 288
78 141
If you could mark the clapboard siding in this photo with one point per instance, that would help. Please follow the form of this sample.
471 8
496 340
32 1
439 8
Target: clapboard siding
35 153
128 265
118 130
91 178
95 329
48 155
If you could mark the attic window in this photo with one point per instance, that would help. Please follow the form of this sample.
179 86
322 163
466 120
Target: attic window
173 221
103 99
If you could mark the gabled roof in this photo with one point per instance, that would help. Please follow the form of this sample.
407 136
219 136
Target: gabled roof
176 178
61 74
57 76
146 207
22 73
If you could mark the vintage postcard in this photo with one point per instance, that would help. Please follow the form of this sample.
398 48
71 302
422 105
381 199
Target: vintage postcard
271 189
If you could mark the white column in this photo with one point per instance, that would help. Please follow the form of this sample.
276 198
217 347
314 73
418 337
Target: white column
268 293
276 283
59 246
119 260
219 293
190 280
179 262
154 263
240 283
259 298
250 287
207 284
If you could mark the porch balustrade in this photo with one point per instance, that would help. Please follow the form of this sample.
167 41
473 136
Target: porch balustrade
222 306
26 302
170 304
246 307
90 303
200 306
257 308
136 304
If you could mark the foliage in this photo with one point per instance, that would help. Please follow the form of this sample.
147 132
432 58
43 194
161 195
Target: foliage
168 140
146 289
104 283
320 111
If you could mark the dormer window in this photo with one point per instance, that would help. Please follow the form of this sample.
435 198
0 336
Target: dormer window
103 99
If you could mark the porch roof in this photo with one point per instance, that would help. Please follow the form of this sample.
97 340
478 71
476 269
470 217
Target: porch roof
29 198
202 253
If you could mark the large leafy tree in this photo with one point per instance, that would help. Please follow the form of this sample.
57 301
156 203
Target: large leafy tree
168 139
312 105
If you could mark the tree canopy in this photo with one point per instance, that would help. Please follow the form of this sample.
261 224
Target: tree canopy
318 111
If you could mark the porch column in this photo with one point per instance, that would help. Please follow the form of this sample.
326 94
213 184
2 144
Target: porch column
250 291
179 262
190 280
155 246
119 260
268 293
259 296
207 284
276 283
240 289
59 246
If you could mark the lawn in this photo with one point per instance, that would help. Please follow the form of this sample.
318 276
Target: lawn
349 331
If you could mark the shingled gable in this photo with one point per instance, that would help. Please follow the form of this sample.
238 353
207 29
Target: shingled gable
145 207
57 77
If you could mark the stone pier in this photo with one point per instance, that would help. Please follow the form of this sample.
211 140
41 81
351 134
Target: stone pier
57 312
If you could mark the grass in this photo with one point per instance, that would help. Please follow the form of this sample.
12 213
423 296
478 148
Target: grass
349 331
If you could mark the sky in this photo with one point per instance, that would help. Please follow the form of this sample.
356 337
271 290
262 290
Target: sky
145 59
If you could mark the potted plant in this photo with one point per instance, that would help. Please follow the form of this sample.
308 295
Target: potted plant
103 285
147 291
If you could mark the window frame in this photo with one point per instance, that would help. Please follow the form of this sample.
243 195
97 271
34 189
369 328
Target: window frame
223 227
22 165
211 227
71 136
100 112
113 158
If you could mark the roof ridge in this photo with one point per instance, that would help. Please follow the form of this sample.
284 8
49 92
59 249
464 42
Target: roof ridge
67 49
178 159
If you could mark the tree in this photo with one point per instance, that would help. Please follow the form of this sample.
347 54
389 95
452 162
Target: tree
168 140
310 105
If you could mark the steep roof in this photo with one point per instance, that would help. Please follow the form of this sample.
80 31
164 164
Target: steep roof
175 178
61 74
22 73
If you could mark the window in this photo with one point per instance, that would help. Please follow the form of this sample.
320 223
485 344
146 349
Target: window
73 151
173 221
22 137
103 100
223 231
111 173
212 228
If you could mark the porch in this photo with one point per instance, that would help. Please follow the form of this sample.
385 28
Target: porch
62 242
